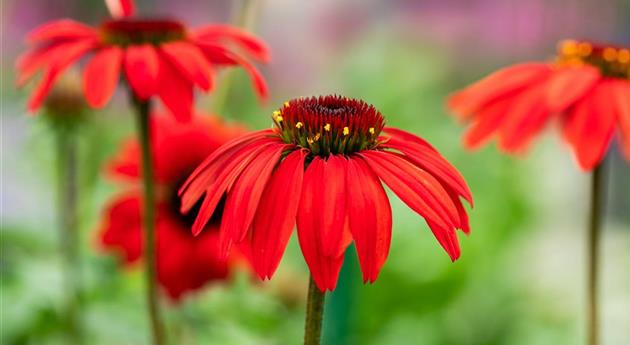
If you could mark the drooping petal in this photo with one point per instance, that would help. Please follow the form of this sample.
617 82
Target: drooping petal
369 217
510 79
249 43
590 125
206 172
447 239
429 159
121 8
101 76
415 187
244 196
190 61
58 63
175 91
142 66
621 98
64 29
276 214
486 123
568 84
525 118
32 61
226 174
257 79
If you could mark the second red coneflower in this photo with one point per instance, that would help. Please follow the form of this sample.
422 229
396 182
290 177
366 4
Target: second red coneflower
321 167
157 57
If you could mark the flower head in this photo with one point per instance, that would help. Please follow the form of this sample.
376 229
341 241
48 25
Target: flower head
321 167
184 262
157 57
587 87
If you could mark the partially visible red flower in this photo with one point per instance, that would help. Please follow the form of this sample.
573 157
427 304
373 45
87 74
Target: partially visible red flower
155 57
184 262
322 167
587 88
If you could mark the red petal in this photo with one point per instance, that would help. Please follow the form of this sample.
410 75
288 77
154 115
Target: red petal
242 200
590 125
257 79
217 32
175 91
471 99
121 231
101 76
486 123
526 117
58 62
226 174
427 158
142 66
121 8
276 214
369 216
414 186
64 29
191 62
205 173
447 239
29 63
621 97
568 84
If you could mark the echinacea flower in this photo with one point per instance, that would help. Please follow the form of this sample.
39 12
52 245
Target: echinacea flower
156 57
321 167
184 263
587 88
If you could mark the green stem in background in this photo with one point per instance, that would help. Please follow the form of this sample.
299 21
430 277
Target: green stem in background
68 230
244 18
598 186
157 326
314 314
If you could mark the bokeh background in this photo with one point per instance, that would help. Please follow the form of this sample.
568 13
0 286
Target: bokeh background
521 276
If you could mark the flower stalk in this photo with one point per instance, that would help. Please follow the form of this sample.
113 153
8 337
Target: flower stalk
68 230
598 185
314 314
157 326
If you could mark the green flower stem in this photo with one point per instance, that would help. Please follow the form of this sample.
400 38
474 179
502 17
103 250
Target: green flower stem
314 314
598 186
157 326
68 230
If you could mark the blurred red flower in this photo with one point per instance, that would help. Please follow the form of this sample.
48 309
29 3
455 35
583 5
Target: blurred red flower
184 262
587 88
156 57
322 166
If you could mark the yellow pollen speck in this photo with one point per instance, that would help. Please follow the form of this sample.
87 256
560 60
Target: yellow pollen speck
279 118
585 49
299 125
276 113
569 47
346 131
327 127
610 54
623 56
371 130
317 136
309 140
286 104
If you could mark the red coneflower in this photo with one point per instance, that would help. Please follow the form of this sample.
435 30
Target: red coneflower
184 263
322 166
587 88
156 57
